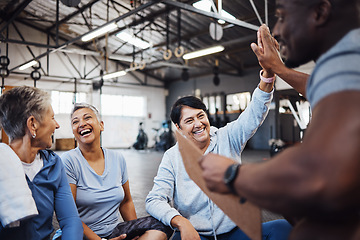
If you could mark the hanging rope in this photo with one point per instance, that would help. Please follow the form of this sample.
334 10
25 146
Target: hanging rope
179 51
167 53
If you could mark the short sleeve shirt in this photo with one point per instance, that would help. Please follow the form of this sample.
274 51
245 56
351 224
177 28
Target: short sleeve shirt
337 70
98 196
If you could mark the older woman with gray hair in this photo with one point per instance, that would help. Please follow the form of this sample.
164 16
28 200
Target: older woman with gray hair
28 119
100 185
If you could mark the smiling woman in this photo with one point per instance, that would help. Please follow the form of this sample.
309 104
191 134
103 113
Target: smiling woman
204 220
100 186
189 115
27 117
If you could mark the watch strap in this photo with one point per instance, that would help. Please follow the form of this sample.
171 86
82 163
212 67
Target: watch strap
230 176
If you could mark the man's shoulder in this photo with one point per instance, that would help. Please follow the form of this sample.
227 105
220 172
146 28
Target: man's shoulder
349 44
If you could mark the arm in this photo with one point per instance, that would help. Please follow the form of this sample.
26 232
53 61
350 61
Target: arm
87 231
318 176
187 231
158 199
242 129
266 86
127 208
66 211
267 53
162 193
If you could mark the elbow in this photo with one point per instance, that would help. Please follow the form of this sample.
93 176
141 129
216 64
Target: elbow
342 195
72 229
148 204
322 195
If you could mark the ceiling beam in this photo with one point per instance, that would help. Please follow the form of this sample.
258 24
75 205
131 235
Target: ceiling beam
14 14
71 41
15 41
190 8
68 17
148 18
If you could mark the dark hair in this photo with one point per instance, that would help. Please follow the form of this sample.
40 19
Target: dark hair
17 105
189 101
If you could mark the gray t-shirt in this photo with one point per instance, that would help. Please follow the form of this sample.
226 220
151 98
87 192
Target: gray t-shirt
337 70
97 197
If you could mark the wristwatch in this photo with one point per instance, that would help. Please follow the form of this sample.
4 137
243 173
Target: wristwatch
230 175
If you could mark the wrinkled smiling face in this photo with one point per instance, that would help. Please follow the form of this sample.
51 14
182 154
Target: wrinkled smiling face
195 124
294 31
46 129
86 126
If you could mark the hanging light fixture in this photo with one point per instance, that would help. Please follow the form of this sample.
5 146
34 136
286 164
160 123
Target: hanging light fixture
131 39
203 52
114 74
27 65
99 32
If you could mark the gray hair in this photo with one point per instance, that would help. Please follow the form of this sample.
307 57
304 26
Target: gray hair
17 105
78 106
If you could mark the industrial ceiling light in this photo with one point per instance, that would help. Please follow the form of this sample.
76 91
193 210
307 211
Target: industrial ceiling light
99 32
203 52
27 65
131 39
114 74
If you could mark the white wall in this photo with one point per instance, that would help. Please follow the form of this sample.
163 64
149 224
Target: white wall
122 132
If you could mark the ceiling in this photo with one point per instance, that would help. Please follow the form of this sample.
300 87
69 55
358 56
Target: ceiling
166 24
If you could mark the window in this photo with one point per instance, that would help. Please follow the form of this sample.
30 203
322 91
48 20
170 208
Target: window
63 102
121 105
213 103
238 101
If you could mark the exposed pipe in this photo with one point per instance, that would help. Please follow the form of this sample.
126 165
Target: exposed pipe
266 13
68 17
15 41
256 11
28 48
57 23
17 12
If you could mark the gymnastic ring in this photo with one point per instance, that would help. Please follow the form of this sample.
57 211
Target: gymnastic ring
179 51
35 75
4 72
142 65
4 61
167 54
37 66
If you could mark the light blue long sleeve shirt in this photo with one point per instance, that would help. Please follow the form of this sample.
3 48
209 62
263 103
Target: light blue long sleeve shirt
172 183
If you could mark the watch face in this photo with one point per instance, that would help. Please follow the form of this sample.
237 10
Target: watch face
231 173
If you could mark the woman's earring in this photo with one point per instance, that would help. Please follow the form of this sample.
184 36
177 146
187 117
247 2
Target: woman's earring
34 136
